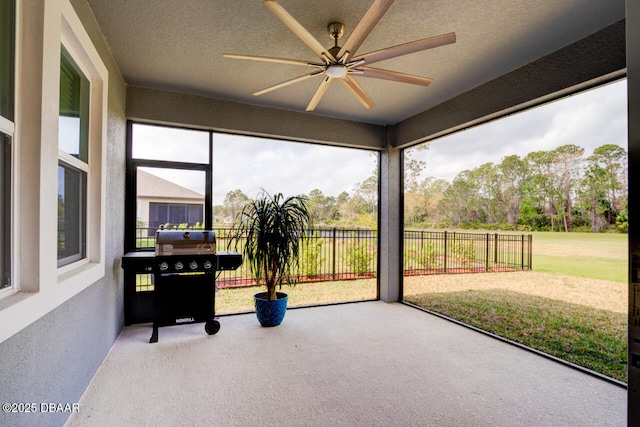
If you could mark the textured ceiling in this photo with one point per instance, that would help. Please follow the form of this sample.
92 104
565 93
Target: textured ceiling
178 46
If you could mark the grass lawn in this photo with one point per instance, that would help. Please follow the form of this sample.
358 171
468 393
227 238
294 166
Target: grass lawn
581 245
597 256
589 337
573 304
605 269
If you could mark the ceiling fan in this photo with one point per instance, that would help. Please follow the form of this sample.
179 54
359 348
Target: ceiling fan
341 63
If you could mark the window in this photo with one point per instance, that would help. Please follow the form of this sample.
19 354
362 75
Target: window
169 182
7 89
5 211
69 173
73 147
7 57
72 190
169 144
175 214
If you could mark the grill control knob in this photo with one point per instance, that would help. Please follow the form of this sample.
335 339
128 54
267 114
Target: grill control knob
207 264
193 265
163 266
179 266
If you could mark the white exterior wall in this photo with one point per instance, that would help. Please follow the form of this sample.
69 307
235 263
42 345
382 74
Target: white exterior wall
57 326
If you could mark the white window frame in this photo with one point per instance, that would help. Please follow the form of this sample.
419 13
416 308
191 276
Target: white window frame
43 287
8 127
82 166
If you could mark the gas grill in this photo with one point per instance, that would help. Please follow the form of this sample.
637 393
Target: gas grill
185 251
183 269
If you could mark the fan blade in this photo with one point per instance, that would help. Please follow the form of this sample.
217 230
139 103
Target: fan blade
297 28
395 76
287 83
377 9
358 91
272 59
404 49
322 89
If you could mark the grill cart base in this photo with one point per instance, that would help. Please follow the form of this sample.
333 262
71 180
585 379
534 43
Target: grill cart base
184 298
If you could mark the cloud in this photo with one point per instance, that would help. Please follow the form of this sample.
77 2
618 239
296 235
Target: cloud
292 168
588 119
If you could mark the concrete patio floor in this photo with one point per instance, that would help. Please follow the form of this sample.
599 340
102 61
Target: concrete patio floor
364 364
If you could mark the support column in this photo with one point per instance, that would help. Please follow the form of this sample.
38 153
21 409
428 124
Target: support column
390 255
633 105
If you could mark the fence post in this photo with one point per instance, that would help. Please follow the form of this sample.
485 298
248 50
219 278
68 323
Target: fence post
486 255
333 266
445 251
495 255
421 255
522 253
530 251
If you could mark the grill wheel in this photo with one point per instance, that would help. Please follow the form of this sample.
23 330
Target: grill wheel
212 327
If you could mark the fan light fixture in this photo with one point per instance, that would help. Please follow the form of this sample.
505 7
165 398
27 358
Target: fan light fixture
336 71
341 63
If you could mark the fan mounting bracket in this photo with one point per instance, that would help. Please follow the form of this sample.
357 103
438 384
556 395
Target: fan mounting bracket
336 30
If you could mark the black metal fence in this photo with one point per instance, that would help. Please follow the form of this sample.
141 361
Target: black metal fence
330 254
443 252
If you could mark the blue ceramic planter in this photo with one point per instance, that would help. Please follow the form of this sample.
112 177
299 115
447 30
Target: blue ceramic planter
270 313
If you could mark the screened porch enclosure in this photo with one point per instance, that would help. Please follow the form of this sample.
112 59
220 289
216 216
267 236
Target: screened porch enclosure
63 337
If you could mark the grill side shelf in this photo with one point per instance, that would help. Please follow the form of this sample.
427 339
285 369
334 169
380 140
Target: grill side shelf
227 260
139 262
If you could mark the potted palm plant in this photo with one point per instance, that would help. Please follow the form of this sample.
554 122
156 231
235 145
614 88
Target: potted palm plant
270 230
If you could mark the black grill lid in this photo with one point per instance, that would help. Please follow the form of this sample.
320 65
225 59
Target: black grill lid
185 242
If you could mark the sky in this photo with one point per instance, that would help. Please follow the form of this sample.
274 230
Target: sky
589 120
290 168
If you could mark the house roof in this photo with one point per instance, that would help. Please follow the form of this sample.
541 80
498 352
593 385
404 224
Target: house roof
152 186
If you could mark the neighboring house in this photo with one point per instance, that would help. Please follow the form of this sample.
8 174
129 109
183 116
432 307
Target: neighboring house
162 202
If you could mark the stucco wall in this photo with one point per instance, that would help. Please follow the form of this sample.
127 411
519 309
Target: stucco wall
224 116
54 359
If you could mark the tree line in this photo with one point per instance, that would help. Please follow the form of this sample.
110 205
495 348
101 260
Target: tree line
359 209
555 190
